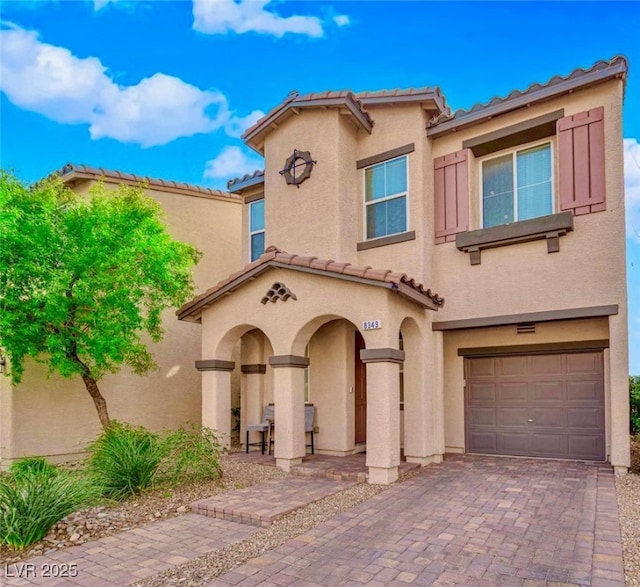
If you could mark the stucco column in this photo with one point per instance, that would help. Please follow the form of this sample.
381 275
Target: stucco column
383 413
619 392
288 397
216 397
252 397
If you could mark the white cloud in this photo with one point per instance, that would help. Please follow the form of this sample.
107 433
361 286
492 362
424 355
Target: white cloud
342 20
231 162
632 186
243 16
52 81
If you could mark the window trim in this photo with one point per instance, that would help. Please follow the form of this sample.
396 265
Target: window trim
514 150
405 194
254 232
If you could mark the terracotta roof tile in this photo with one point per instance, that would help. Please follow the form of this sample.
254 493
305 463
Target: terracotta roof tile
377 274
257 175
616 66
357 271
336 267
274 255
302 261
72 171
321 264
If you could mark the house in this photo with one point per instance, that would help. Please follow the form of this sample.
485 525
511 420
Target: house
433 282
55 417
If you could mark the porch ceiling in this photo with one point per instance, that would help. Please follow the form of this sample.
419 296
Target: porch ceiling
398 283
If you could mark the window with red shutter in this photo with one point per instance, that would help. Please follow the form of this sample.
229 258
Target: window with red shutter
451 191
581 162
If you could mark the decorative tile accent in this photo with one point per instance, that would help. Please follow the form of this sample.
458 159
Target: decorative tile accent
278 291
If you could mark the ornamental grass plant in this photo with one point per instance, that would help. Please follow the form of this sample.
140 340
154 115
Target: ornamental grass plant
124 459
34 495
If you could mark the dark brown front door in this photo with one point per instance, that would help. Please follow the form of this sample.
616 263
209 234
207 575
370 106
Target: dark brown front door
536 405
360 391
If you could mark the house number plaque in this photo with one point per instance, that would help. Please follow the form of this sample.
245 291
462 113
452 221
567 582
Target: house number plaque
371 324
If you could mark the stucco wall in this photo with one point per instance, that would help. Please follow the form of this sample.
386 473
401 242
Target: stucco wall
56 417
590 268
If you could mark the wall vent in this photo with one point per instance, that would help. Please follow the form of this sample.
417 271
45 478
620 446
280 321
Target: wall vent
526 328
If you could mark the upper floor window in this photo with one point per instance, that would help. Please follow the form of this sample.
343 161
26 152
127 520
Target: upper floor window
386 198
256 228
517 186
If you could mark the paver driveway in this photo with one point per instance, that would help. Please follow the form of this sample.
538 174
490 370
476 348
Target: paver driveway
477 521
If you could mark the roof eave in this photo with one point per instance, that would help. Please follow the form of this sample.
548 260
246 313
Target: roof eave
253 137
191 311
617 70
243 185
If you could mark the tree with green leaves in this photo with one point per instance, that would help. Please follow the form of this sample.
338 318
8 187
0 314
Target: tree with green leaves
84 280
634 403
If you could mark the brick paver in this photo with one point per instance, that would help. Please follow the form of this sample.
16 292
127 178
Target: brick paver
262 504
126 557
477 521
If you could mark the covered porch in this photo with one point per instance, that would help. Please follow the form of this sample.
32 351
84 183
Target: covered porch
354 342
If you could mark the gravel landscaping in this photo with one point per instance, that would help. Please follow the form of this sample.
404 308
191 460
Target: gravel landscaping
628 492
162 503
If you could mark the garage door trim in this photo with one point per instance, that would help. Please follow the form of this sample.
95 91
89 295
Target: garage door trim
532 349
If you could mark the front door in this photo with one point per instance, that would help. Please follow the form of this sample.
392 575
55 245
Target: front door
360 392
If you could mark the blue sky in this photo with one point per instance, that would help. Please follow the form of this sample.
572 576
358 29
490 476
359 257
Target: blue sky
165 88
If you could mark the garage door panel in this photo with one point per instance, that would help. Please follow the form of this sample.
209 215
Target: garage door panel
482 392
512 416
513 443
584 363
582 391
509 366
512 391
537 405
548 417
546 391
482 417
545 365
584 418
482 368
549 445
585 446
485 442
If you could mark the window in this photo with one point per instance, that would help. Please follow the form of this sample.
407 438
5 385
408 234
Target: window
386 198
517 186
256 228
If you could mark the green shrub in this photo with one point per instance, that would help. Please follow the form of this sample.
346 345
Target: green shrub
33 500
124 459
191 454
37 465
634 401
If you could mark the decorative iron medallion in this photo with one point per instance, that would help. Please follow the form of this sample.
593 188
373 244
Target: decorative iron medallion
297 168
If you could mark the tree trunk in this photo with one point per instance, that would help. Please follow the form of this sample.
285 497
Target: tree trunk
101 404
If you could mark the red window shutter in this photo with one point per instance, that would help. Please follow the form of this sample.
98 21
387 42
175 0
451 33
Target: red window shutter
581 162
451 190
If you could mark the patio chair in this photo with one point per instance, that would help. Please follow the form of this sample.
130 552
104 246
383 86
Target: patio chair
309 417
264 428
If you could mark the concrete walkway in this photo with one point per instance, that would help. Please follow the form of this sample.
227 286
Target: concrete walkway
477 521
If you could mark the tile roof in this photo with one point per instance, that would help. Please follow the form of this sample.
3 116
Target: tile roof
247 180
274 257
557 85
355 102
294 101
72 172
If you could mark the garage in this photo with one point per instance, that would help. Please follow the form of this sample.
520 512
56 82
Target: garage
541 405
